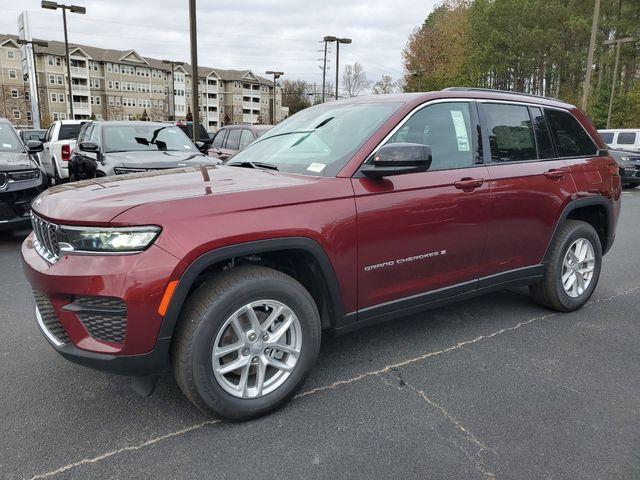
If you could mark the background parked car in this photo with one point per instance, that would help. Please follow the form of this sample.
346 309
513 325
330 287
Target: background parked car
203 135
230 140
60 140
120 147
629 163
622 138
21 178
34 134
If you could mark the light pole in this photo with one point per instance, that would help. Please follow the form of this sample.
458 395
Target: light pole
33 44
173 64
72 9
327 39
276 75
195 79
618 42
338 42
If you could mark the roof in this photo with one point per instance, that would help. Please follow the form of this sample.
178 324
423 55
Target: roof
131 57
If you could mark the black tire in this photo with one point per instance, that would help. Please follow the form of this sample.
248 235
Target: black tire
549 292
204 314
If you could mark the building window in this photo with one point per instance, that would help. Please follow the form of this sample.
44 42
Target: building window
27 95
61 97
117 101
29 117
50 60
52 79
97 100
58 62
63 116
56 116
109 67
60 80
16 114
110 101
13 74
14 93
11 54
117 84
54 97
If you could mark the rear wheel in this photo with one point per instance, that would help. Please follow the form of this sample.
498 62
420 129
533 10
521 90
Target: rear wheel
246 342
573 269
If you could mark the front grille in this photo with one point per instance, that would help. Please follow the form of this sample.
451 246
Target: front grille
105 318
46 241
49 317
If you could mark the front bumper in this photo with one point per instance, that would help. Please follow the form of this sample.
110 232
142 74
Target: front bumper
82 335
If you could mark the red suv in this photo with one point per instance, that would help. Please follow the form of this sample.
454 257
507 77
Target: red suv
346 214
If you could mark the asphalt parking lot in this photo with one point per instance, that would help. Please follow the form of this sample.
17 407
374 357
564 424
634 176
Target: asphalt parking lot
494 387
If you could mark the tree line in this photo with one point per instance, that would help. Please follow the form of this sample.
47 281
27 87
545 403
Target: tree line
532 46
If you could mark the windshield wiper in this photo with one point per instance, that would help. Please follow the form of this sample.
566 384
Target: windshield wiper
248 164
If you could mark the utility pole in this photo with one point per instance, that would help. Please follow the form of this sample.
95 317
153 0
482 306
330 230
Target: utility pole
33 43
618 43
72 9
195 80
346 41
592 47
276 75
173 65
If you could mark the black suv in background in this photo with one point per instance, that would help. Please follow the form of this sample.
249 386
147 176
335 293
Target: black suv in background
118 147
203 135
230 140
21 178
629 163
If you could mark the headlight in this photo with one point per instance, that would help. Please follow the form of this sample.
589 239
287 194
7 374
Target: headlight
106 240
23 175
624 158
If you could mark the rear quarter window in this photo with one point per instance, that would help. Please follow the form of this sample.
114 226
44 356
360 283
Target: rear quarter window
571 139
626 138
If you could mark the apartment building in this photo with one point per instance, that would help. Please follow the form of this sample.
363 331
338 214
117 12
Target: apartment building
124 85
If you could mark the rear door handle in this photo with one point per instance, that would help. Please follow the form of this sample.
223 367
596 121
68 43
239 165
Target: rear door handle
555 174
468 184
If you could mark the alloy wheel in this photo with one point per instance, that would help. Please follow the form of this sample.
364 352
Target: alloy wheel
578 267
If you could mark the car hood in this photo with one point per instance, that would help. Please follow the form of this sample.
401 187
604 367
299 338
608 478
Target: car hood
100 200
16 161
156 159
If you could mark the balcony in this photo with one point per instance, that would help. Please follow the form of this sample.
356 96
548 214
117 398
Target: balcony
249 118
81 108
79 87
79 71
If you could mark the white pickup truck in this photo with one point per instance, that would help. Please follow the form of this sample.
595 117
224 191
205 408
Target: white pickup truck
59 142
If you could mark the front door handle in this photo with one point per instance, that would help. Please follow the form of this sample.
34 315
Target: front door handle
468 184
555 174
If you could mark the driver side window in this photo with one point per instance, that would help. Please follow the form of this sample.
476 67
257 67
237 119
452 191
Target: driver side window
448 129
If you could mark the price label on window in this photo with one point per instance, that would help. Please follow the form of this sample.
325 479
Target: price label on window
461 130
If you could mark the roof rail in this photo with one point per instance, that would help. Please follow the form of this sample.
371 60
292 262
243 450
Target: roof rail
508 92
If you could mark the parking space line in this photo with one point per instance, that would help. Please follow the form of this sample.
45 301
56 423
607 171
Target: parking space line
331 386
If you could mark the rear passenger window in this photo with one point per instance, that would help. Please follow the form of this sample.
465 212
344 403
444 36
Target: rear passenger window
245 138
543 137
447 129
219 138
607 137
628 138
510 133
570 137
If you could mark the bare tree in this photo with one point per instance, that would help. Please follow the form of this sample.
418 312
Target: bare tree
354 79
385 85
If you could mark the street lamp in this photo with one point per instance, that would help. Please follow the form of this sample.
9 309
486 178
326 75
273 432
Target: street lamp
338 42
173 86
618 42
72 9
327 39
276 75
33 44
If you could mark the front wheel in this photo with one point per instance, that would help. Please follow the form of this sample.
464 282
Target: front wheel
573 269
245 342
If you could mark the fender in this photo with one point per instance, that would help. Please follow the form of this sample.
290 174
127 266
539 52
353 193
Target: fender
261 246
584 202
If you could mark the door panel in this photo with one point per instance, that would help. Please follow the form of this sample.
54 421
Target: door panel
418 232
424 231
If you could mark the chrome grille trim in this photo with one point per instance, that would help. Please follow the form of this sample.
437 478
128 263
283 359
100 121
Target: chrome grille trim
46 241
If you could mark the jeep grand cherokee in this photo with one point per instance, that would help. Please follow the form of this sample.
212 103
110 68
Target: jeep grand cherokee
346 214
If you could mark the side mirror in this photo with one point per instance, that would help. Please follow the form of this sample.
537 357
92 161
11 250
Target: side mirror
89 147
398 159
34 146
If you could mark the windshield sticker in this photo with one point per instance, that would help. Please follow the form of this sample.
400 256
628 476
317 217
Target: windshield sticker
461 130
7 145
316 167
186 147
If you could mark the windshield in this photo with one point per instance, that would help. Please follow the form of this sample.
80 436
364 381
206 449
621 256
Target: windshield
9 141
153 137
317 141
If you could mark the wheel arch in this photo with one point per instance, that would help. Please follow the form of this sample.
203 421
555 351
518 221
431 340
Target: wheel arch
597 211
318 274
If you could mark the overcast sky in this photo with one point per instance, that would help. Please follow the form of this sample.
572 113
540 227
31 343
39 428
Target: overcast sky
260 35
